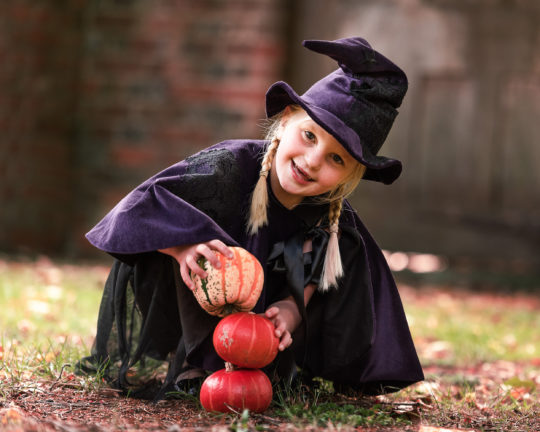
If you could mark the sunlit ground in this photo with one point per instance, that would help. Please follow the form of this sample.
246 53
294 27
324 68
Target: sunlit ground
458 324
48 308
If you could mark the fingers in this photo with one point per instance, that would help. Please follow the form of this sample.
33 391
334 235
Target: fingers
272 312
285 342
281 332
203 250
208 250
187 256
285 339
184 273
281 328
220 247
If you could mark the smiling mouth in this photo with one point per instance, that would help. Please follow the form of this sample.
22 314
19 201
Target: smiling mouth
301 173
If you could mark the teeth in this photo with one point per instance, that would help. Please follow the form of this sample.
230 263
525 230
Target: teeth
308 178
302 173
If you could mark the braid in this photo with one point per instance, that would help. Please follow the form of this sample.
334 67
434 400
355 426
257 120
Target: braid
334 212
333 268
259 198
268 158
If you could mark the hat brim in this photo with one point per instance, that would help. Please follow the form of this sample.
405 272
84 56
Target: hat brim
379 168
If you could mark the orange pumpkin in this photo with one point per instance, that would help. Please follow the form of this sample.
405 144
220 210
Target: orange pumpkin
232 389
235 287
246 340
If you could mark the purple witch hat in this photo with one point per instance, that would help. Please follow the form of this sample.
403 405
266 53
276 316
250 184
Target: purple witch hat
357 103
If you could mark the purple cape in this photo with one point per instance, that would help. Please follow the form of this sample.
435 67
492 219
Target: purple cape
356 335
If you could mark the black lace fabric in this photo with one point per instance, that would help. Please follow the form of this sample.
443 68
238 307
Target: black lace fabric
210 177
138 332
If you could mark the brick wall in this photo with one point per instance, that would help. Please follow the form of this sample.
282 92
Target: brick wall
102 94
161 80
39 46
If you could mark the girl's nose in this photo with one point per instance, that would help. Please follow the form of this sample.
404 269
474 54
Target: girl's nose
314 157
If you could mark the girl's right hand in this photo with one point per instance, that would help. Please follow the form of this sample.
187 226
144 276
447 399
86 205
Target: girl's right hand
187 256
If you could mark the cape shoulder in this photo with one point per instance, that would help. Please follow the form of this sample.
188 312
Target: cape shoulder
192 201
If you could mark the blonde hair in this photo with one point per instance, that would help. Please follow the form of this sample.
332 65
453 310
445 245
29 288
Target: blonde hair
259 198
333 268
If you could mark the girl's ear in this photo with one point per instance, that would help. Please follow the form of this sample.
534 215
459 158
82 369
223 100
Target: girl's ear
287 113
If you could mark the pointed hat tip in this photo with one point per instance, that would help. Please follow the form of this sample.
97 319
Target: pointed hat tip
324 46
353 54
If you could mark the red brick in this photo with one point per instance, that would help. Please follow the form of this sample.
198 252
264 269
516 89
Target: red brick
132 157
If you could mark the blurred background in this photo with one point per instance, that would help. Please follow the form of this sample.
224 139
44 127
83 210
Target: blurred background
98 95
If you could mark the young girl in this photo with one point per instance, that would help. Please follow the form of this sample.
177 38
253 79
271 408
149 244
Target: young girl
328 289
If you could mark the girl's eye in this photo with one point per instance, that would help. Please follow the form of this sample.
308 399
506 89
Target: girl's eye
309 135
337 159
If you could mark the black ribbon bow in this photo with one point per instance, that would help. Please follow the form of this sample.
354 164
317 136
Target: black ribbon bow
288 257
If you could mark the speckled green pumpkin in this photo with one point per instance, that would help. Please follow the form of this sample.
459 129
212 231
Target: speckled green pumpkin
235 287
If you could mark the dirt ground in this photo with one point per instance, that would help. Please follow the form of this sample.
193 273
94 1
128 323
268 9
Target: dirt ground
63 406
65 409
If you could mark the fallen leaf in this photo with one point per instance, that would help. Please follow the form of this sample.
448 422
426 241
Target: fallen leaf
427 388
437 350
519 393
516 382
10 415
438 429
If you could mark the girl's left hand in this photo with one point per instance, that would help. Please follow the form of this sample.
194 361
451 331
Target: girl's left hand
286 317
285 338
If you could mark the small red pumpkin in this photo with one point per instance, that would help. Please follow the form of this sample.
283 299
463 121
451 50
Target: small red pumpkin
235 287
238 389
246 340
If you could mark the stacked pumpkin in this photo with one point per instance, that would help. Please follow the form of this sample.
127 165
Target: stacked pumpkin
245 341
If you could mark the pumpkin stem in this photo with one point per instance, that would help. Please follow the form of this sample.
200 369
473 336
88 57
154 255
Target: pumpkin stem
228 309
229 367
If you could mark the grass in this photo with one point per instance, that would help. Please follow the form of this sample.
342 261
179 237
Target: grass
47 321
460 328
480 352
321 406
41 301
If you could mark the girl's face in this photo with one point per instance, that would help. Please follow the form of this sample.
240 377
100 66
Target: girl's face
308 162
